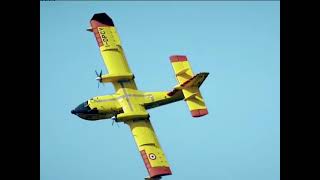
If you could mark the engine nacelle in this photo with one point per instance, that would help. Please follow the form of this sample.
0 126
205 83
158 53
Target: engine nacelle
115 77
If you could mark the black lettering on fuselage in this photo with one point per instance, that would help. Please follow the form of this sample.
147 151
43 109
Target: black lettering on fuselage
103 36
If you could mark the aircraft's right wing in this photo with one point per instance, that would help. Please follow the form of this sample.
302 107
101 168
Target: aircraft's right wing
110 47
149 147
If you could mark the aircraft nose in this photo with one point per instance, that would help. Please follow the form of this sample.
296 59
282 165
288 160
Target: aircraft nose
83 108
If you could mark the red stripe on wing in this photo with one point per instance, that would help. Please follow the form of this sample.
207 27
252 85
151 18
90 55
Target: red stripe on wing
94 25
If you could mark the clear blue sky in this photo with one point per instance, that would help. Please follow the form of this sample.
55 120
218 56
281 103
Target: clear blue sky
237 42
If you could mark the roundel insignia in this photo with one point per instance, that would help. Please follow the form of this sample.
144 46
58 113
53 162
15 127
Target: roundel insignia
152 156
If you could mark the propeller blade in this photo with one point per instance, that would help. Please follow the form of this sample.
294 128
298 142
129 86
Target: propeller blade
115 119
99 77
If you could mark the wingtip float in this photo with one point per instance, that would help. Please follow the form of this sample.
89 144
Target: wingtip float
129 105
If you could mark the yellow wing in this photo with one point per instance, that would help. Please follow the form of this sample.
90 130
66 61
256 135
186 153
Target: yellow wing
149 147
110 47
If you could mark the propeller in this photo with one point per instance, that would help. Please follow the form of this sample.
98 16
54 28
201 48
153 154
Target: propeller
115 119
99 77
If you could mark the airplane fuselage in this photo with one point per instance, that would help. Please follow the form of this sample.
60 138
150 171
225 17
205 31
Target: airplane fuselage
127 99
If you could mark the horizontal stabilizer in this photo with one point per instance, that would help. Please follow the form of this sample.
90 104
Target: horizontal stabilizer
189 84
182 71
191 96
181 68
195 101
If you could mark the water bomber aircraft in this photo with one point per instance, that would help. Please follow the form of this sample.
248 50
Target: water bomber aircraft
129 104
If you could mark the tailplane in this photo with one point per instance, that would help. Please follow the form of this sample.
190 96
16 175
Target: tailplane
189 84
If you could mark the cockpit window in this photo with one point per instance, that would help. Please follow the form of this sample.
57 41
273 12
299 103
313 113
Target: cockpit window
85 104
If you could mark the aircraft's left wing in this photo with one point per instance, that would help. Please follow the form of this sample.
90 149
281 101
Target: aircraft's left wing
149 147
110 46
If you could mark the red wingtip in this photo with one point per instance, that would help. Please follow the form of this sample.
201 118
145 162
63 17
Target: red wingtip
199 112
94 28
178 58
159 171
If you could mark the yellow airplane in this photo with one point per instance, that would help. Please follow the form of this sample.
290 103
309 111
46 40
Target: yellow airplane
129 105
